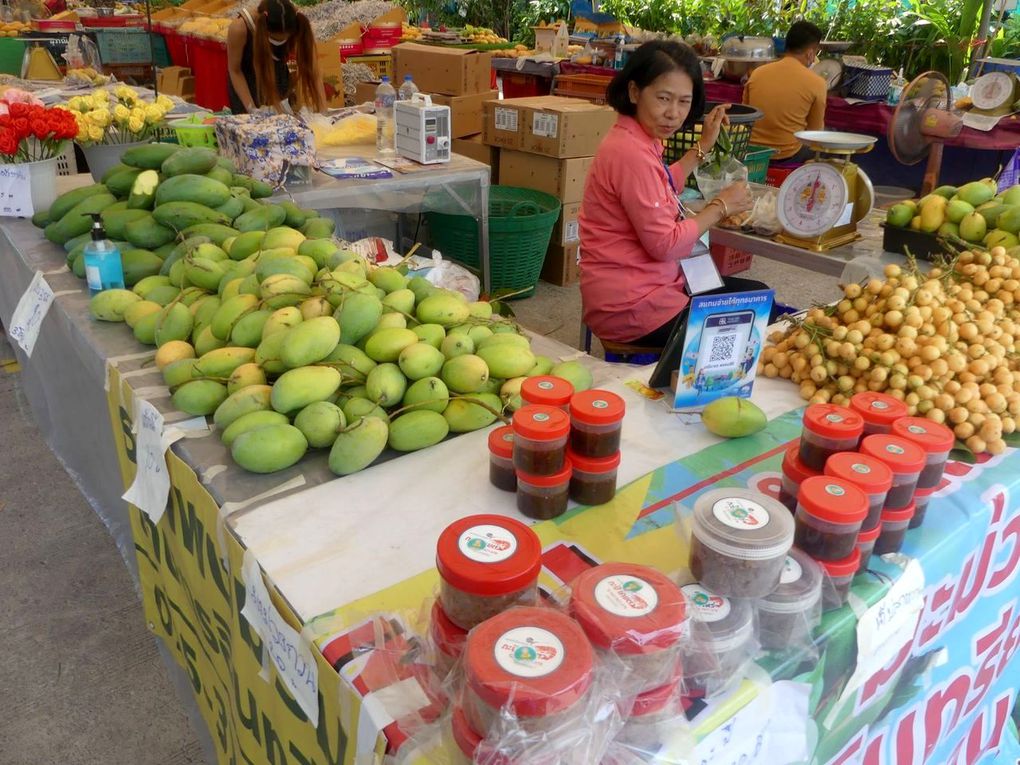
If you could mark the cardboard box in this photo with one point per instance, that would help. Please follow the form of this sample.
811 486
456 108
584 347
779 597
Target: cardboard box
563 178
564 127
364 92
502 125
560 266
467 113
176 81
473 148
448 71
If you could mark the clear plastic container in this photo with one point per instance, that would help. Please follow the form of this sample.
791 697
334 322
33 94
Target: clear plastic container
465 741
596 422
536 662
866 545
795 473
905 459
739 542
868 474
787 615
593 481
828 429
540 439
879 411
487 563
840 575
501 459
722 638
829 516
547 390
921 499
937 442
448 639
636 613
543 497
894 530
655 717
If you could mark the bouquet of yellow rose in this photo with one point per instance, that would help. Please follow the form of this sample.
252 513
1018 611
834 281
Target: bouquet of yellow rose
118 116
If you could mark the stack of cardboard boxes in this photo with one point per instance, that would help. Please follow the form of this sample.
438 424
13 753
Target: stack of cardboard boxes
176 81
547 143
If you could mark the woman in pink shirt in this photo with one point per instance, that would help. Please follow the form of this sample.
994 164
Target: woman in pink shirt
633 233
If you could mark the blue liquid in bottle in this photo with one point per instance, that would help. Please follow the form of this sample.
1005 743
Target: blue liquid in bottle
103 267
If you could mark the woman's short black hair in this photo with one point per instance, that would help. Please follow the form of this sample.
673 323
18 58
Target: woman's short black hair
647 64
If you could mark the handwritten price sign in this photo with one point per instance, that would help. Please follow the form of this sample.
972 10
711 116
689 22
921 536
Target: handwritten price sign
15 192
29 314
151 486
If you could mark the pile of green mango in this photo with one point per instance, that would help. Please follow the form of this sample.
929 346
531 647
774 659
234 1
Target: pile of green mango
974 212
288 341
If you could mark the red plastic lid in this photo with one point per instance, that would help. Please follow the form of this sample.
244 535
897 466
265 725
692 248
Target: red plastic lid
448 637
844 566
594 464
929 435
537 660
901 455
832 499
548 390
920 494
656 700
628 608
878 408
871 475
793 467
831 421
597 407
541 423
489 555
899 515
463 734
545 481
501 441
869 536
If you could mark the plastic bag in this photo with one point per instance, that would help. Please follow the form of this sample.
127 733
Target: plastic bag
1011 172
788 616
713 177
81 53
450 276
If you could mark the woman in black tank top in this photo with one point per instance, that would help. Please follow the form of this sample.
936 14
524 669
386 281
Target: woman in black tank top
259 45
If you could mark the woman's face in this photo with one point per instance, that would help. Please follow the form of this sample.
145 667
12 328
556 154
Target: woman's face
663 106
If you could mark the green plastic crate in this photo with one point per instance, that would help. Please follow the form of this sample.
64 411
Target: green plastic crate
12 54
756 160
125 46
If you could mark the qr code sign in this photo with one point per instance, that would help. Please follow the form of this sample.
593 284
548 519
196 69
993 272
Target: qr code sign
722 348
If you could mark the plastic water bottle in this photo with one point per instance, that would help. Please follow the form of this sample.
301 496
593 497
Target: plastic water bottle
385 96
621 40
103 268
407 90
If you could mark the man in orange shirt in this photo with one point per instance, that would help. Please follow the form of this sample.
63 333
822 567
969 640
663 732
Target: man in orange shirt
789 94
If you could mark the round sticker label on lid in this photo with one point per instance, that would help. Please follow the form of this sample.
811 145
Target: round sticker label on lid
626 596
508 437
792 571
894 449
706 606
600 404
529 652
879 405
545 385
834 490
861 468
834 417
487 544
917 430
740 514
540 417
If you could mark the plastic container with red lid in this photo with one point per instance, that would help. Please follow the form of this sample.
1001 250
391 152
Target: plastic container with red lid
868 474
828 429
540 439
839 576
795 472
866 544
593 481
788 614
879 410
921 499
501 459
936 440
894 530
535 663
904 458
829 515
543 497
447 638
596 422
487 563
656 718
722 639
547 390
634 612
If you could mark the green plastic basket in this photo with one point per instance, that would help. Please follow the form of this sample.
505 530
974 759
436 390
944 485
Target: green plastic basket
742 119
190 134
756 160
521 223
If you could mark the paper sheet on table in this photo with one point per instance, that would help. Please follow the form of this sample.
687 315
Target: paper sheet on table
27 319
982 122
15 192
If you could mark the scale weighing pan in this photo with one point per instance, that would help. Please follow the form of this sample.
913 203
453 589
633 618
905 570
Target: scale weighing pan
836 46
830 140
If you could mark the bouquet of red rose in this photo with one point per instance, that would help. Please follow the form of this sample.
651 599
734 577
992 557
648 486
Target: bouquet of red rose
29 131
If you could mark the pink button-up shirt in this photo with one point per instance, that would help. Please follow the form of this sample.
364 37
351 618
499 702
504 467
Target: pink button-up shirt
631 239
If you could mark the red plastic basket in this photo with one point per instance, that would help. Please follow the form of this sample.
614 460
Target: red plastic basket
113 22
777 174
730 260
521 85
209 62
590 87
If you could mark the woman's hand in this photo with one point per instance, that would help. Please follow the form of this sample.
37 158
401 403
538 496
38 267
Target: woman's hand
737 197
711 126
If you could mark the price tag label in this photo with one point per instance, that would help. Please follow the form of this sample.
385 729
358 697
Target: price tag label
506 119
545 125
151 486
15 192
29 313
289 653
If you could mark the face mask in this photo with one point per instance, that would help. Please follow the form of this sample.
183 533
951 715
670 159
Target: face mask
277 43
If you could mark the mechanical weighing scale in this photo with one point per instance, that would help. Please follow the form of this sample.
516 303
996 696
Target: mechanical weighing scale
821 202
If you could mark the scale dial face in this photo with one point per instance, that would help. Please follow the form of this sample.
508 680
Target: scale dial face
812 200
992 91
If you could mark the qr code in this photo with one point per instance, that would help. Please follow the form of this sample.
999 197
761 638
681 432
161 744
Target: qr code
722 348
